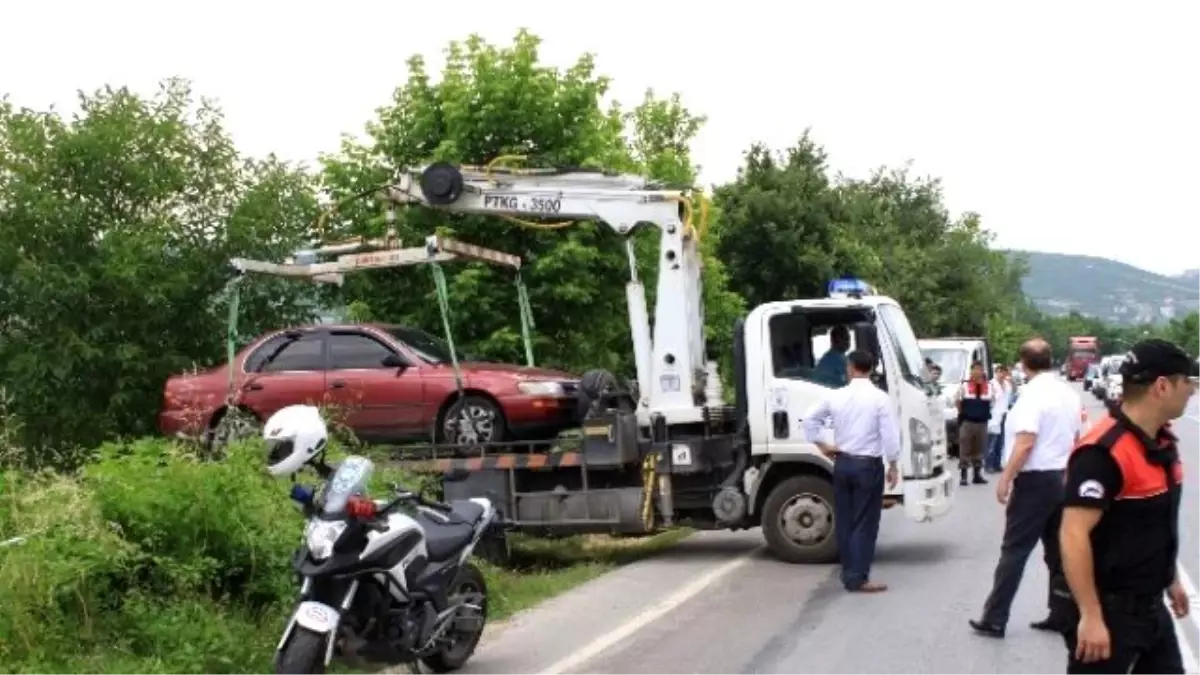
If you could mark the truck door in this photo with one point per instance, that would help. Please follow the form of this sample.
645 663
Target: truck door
917 406
794 341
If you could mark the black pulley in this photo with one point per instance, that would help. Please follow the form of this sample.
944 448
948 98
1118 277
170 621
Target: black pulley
441 183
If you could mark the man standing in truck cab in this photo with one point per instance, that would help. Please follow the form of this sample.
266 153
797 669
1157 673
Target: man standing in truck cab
1044 425
865 433
974 412
1120 523
832 368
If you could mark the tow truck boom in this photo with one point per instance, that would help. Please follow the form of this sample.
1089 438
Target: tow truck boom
672 373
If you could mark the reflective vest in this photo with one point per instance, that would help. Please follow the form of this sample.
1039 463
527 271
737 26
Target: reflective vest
1147 475
976 401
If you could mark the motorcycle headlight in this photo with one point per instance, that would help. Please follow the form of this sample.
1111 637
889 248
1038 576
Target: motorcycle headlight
320 536
922 449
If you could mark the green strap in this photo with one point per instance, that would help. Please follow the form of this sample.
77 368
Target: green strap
233 290
526 320
443 296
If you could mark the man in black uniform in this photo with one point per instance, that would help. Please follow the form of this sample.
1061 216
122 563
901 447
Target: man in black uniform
1120 525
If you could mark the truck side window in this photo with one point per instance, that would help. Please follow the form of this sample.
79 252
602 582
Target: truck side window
799 342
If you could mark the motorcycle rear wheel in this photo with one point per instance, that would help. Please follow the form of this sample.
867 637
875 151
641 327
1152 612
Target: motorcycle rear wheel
455 655
303 653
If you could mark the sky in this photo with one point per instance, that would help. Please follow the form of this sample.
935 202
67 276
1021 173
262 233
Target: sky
1071 127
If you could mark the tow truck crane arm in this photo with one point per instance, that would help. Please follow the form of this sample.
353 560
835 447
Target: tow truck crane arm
671 370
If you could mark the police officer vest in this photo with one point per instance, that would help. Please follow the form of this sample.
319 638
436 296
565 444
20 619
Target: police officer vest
976 402
1146 473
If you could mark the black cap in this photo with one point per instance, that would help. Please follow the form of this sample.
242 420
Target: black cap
1151 359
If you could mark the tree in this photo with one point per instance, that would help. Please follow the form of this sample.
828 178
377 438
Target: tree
787 228
779 235
116 228
493 103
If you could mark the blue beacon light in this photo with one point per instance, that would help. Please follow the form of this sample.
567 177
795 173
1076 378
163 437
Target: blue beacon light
849 287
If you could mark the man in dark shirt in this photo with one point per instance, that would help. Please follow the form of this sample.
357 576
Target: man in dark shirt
1120 526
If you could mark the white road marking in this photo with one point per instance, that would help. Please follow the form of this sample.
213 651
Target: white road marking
595 647
1190 663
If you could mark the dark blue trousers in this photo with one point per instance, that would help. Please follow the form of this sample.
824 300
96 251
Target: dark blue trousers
858 505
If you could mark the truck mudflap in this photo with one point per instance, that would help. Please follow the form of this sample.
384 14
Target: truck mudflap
929 498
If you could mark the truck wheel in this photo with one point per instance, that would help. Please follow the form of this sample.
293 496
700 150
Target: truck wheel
798 523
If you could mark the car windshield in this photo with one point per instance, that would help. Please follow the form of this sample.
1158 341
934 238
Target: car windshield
953 363
428 347
1083 354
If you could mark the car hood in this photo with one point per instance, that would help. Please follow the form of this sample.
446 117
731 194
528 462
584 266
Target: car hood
517 372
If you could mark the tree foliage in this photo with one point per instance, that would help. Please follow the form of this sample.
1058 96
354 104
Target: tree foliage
116 225
115 231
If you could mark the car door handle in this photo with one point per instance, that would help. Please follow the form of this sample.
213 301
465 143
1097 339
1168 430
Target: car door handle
253 386
337 384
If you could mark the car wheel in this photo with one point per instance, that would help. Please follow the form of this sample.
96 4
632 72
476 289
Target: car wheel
472 420
234 424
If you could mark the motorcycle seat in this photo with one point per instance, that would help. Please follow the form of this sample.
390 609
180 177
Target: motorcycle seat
467 510
444 540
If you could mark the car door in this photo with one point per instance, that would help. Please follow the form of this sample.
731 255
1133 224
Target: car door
286 369
378 402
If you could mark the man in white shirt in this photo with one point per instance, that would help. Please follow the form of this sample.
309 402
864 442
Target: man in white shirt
1044 424
1001 402
865 431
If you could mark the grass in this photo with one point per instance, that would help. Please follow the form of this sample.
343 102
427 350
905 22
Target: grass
542 568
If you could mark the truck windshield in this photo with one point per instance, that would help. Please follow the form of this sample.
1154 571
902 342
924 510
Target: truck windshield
953 363
1085 354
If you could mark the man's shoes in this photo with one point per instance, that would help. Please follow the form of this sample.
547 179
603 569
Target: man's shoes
979 479
987 629
1050 625
869 587
963 481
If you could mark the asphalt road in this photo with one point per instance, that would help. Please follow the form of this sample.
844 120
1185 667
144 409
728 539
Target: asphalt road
717 603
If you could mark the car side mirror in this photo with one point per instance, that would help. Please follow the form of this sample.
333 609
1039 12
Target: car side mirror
394 361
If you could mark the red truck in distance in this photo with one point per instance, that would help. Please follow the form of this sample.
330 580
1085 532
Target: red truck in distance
1081 352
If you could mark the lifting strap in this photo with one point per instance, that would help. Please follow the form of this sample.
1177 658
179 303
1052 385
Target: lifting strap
443 297
526 319
233 292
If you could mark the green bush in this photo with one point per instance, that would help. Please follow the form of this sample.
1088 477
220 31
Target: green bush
147 561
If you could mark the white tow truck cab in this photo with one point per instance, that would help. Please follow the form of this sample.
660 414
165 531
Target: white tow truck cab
954 355
784 342
674 452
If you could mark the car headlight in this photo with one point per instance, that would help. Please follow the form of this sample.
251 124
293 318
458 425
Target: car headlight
922 449
541 388
321 535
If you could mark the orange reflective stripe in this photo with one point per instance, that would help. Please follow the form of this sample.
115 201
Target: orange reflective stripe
1140 478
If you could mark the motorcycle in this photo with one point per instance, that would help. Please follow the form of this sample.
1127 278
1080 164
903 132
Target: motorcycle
384 582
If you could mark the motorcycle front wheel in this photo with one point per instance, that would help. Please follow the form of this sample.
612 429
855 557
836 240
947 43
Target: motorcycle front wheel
463 641
304 653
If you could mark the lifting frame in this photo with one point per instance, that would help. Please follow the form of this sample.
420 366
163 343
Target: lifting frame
387 253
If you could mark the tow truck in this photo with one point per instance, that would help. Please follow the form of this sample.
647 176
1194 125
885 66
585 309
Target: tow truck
671 451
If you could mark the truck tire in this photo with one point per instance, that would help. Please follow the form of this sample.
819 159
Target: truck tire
798 523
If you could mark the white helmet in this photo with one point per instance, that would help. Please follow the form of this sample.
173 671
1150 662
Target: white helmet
294 435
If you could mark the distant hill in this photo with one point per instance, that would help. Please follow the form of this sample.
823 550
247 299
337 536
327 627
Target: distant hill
1107 289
